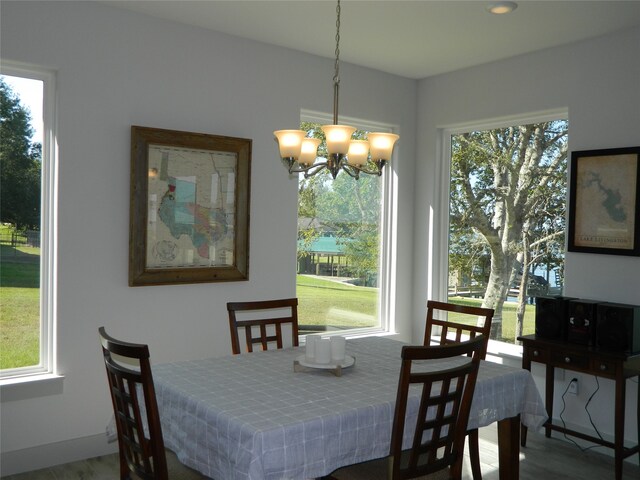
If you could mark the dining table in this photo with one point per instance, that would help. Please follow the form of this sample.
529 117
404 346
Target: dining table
256 417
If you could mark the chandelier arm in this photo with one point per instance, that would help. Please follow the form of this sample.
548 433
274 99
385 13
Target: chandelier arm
377 171
313 168
352 171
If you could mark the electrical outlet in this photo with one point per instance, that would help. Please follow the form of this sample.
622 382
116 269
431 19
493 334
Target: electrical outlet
573 386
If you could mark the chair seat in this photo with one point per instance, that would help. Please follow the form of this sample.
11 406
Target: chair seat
378 470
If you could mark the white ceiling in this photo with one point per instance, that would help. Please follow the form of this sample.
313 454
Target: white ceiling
414 39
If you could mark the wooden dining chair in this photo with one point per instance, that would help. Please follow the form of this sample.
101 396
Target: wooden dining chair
131 386
467 322
140 454
445 402
262 322
440 423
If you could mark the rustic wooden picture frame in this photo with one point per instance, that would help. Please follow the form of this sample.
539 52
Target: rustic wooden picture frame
189 209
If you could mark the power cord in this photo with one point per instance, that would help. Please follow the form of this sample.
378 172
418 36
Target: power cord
564 425
586 408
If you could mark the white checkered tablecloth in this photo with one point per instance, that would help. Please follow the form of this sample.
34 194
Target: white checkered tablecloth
250 416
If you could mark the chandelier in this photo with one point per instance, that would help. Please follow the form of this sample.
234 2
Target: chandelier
300 152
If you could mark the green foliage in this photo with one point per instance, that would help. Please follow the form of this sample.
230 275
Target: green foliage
511 178
20 163
362 253
508 190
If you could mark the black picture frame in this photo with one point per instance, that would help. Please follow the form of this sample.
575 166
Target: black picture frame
604 201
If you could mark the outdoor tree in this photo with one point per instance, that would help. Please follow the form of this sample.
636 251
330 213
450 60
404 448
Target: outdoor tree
508 189
20 164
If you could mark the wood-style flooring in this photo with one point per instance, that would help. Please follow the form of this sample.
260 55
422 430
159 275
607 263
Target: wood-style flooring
541 459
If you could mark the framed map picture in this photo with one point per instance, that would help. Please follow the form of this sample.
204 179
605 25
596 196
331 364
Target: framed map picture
604 203
189 217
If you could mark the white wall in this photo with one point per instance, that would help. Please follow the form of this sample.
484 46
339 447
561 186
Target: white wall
116 69
598 81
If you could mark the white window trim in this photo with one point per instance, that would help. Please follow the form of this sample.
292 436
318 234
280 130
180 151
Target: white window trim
440 235
388 220
46 370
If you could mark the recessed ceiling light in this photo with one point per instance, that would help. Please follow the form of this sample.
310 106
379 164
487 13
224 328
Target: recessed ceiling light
500 8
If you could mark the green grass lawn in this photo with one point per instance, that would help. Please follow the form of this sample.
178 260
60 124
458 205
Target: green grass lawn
508 317
20 307
325 303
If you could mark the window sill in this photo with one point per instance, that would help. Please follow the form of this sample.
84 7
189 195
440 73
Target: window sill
30 386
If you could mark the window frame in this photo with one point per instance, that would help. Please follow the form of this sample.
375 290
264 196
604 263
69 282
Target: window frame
48 225
440 269
387 254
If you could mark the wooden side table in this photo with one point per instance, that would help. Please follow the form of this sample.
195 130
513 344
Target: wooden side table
585 359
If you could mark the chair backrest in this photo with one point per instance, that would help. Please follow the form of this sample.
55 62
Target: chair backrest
131 386
443 412
467 321
262 322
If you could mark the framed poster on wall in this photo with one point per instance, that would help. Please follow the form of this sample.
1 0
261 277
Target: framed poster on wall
189 213
604 203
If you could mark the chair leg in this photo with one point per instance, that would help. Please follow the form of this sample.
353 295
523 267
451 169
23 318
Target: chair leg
125 473
474 454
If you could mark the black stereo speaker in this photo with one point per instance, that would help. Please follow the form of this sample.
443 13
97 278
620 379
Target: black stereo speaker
552 313
618 327
581 325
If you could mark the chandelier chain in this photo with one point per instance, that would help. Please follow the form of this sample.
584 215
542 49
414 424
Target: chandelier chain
336 77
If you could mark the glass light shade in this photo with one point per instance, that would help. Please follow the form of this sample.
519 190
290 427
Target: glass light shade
358 152
338 138
290 142
381 145
309 150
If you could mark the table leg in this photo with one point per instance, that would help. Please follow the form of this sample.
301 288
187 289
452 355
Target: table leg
509 448
526 364
619 424
548 398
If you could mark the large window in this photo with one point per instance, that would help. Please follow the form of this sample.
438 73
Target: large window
507 206
343 262
27 230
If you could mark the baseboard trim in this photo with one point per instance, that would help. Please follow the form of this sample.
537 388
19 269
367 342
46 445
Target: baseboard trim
51 454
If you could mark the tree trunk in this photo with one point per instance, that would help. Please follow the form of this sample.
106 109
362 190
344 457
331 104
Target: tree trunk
497 289
524 281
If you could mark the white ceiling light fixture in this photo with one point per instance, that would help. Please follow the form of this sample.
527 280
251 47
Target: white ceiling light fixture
299 152
500 8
